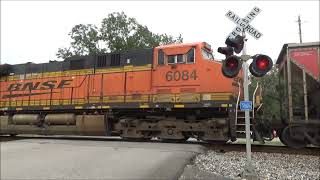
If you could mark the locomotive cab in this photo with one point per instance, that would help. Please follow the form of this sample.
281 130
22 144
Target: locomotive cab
190 68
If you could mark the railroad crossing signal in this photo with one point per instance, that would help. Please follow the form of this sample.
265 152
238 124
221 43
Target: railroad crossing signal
232 65
260 65
243 23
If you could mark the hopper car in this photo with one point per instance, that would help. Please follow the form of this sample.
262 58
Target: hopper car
299 82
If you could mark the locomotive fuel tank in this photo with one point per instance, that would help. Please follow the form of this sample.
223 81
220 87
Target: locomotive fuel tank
24 119
60 119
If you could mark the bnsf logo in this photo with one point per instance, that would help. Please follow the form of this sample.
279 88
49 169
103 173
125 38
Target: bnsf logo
38 85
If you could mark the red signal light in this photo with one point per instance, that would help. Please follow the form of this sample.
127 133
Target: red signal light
260 65
231 66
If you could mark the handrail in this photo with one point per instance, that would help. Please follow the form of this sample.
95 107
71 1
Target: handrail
238 99
259 107
253 99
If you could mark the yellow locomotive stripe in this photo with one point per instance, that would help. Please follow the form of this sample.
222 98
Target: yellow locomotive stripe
179 106
78 107
144 106
177 99
75 72
224 105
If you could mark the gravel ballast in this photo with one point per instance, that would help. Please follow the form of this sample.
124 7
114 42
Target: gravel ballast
267 165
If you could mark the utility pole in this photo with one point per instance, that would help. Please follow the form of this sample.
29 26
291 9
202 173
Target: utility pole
299 23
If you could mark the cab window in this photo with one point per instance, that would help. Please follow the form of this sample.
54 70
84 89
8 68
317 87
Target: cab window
180 58
206 54
160 57
190 56
171 59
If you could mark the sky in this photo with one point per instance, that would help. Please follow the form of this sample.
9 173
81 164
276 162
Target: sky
32 31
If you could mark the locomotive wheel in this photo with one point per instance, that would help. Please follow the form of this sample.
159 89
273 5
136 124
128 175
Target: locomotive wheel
279 132
294 137
314 134
317 140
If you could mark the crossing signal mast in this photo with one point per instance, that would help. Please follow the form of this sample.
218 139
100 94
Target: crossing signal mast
231 66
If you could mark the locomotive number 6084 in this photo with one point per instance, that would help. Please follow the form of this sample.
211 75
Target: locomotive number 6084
181 75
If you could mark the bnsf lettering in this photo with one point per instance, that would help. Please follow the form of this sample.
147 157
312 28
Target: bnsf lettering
38 85
30 86
48 85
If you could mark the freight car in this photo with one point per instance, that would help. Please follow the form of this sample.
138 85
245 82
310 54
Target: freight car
172 92
299 82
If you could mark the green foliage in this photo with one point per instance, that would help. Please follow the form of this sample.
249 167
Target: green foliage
85 41
118 32
271 93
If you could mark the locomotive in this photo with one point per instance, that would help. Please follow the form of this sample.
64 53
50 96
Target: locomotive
172 92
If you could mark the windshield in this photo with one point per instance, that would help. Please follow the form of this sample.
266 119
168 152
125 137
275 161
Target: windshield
206 54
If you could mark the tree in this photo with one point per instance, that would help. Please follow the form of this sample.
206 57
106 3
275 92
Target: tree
85 41
118 32
270 93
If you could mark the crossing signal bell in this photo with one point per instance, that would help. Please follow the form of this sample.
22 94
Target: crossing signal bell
237 43
227 51
260 65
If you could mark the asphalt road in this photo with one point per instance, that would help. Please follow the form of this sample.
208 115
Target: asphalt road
93 159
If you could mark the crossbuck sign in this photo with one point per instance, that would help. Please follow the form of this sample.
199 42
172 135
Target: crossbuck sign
243 23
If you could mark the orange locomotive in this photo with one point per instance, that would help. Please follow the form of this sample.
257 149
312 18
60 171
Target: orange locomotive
171 92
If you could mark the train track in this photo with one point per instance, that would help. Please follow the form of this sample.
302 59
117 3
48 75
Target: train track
216 147
315 151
